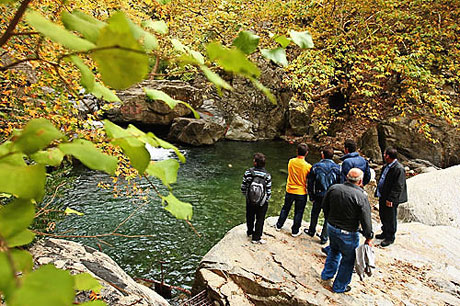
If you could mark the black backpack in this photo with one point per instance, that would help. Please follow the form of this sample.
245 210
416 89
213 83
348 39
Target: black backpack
257 191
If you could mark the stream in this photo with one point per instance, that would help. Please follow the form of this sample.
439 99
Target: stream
209 180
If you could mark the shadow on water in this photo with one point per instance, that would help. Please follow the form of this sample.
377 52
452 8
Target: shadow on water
210 181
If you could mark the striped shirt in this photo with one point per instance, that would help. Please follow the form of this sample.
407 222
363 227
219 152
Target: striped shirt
247 179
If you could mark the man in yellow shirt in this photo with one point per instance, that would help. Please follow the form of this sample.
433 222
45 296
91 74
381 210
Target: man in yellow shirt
296 190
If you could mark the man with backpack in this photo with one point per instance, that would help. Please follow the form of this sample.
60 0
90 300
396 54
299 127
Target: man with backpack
323 174
296 190
257 187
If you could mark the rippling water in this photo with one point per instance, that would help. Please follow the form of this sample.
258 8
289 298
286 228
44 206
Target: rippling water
210 181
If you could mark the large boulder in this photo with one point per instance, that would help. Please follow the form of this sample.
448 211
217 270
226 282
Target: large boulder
299 117
433 198
118 287
136 107
404 135
196 131
421 268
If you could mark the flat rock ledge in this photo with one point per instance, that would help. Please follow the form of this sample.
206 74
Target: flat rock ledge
118 287
421 268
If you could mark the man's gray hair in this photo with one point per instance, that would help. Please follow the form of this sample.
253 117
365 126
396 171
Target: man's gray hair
355 175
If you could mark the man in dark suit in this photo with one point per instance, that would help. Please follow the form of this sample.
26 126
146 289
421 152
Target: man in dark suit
391 191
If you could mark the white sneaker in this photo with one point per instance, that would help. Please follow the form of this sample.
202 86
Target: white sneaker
261 241
297 234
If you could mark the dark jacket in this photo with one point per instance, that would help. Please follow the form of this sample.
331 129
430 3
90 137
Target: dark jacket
346 206
354 160
323 174
247 179
394 187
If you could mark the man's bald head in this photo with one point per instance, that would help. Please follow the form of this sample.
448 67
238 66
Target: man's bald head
355 176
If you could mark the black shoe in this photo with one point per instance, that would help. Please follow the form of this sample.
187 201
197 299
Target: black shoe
306 231
323 241
347 289
386 243
324 250
379 236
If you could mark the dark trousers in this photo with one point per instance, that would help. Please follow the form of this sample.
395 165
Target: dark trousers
389 218
315 211
299 207
255 217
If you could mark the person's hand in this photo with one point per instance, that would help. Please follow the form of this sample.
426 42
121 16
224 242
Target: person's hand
368 241
389 204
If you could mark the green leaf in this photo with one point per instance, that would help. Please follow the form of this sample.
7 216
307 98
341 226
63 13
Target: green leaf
197 56
158 26
167 145
232 60
150 41
51 157
95 22
22 260
87 77
102 92
8 155
7 280
123 63
179 209
215 78
57 33
90 156
45 286
165 170
88 29
36 135
138 156
162 96
70 211
277 55
302 39
246 42
178 46
21 238
163 1
27 182
84 282
265 90
282 40
7 1
16 217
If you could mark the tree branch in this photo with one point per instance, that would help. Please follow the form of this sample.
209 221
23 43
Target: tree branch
14 22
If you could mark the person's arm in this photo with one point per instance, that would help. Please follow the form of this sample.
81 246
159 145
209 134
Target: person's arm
246 180
311 182
268 182
397 185
343 172
365 219
367 174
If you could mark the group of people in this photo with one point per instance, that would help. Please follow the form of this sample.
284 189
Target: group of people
338 191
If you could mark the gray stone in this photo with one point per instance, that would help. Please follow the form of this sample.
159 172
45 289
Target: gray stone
433 198
422 265
369 144
195 131
137 107
118 287
299 117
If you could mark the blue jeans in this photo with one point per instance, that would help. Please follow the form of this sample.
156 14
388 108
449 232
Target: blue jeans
341 257
299 207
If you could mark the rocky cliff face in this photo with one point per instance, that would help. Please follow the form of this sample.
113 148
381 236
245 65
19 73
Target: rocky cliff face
119 288
421 268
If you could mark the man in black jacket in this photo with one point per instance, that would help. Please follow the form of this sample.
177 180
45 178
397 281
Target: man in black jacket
391 191
346 207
